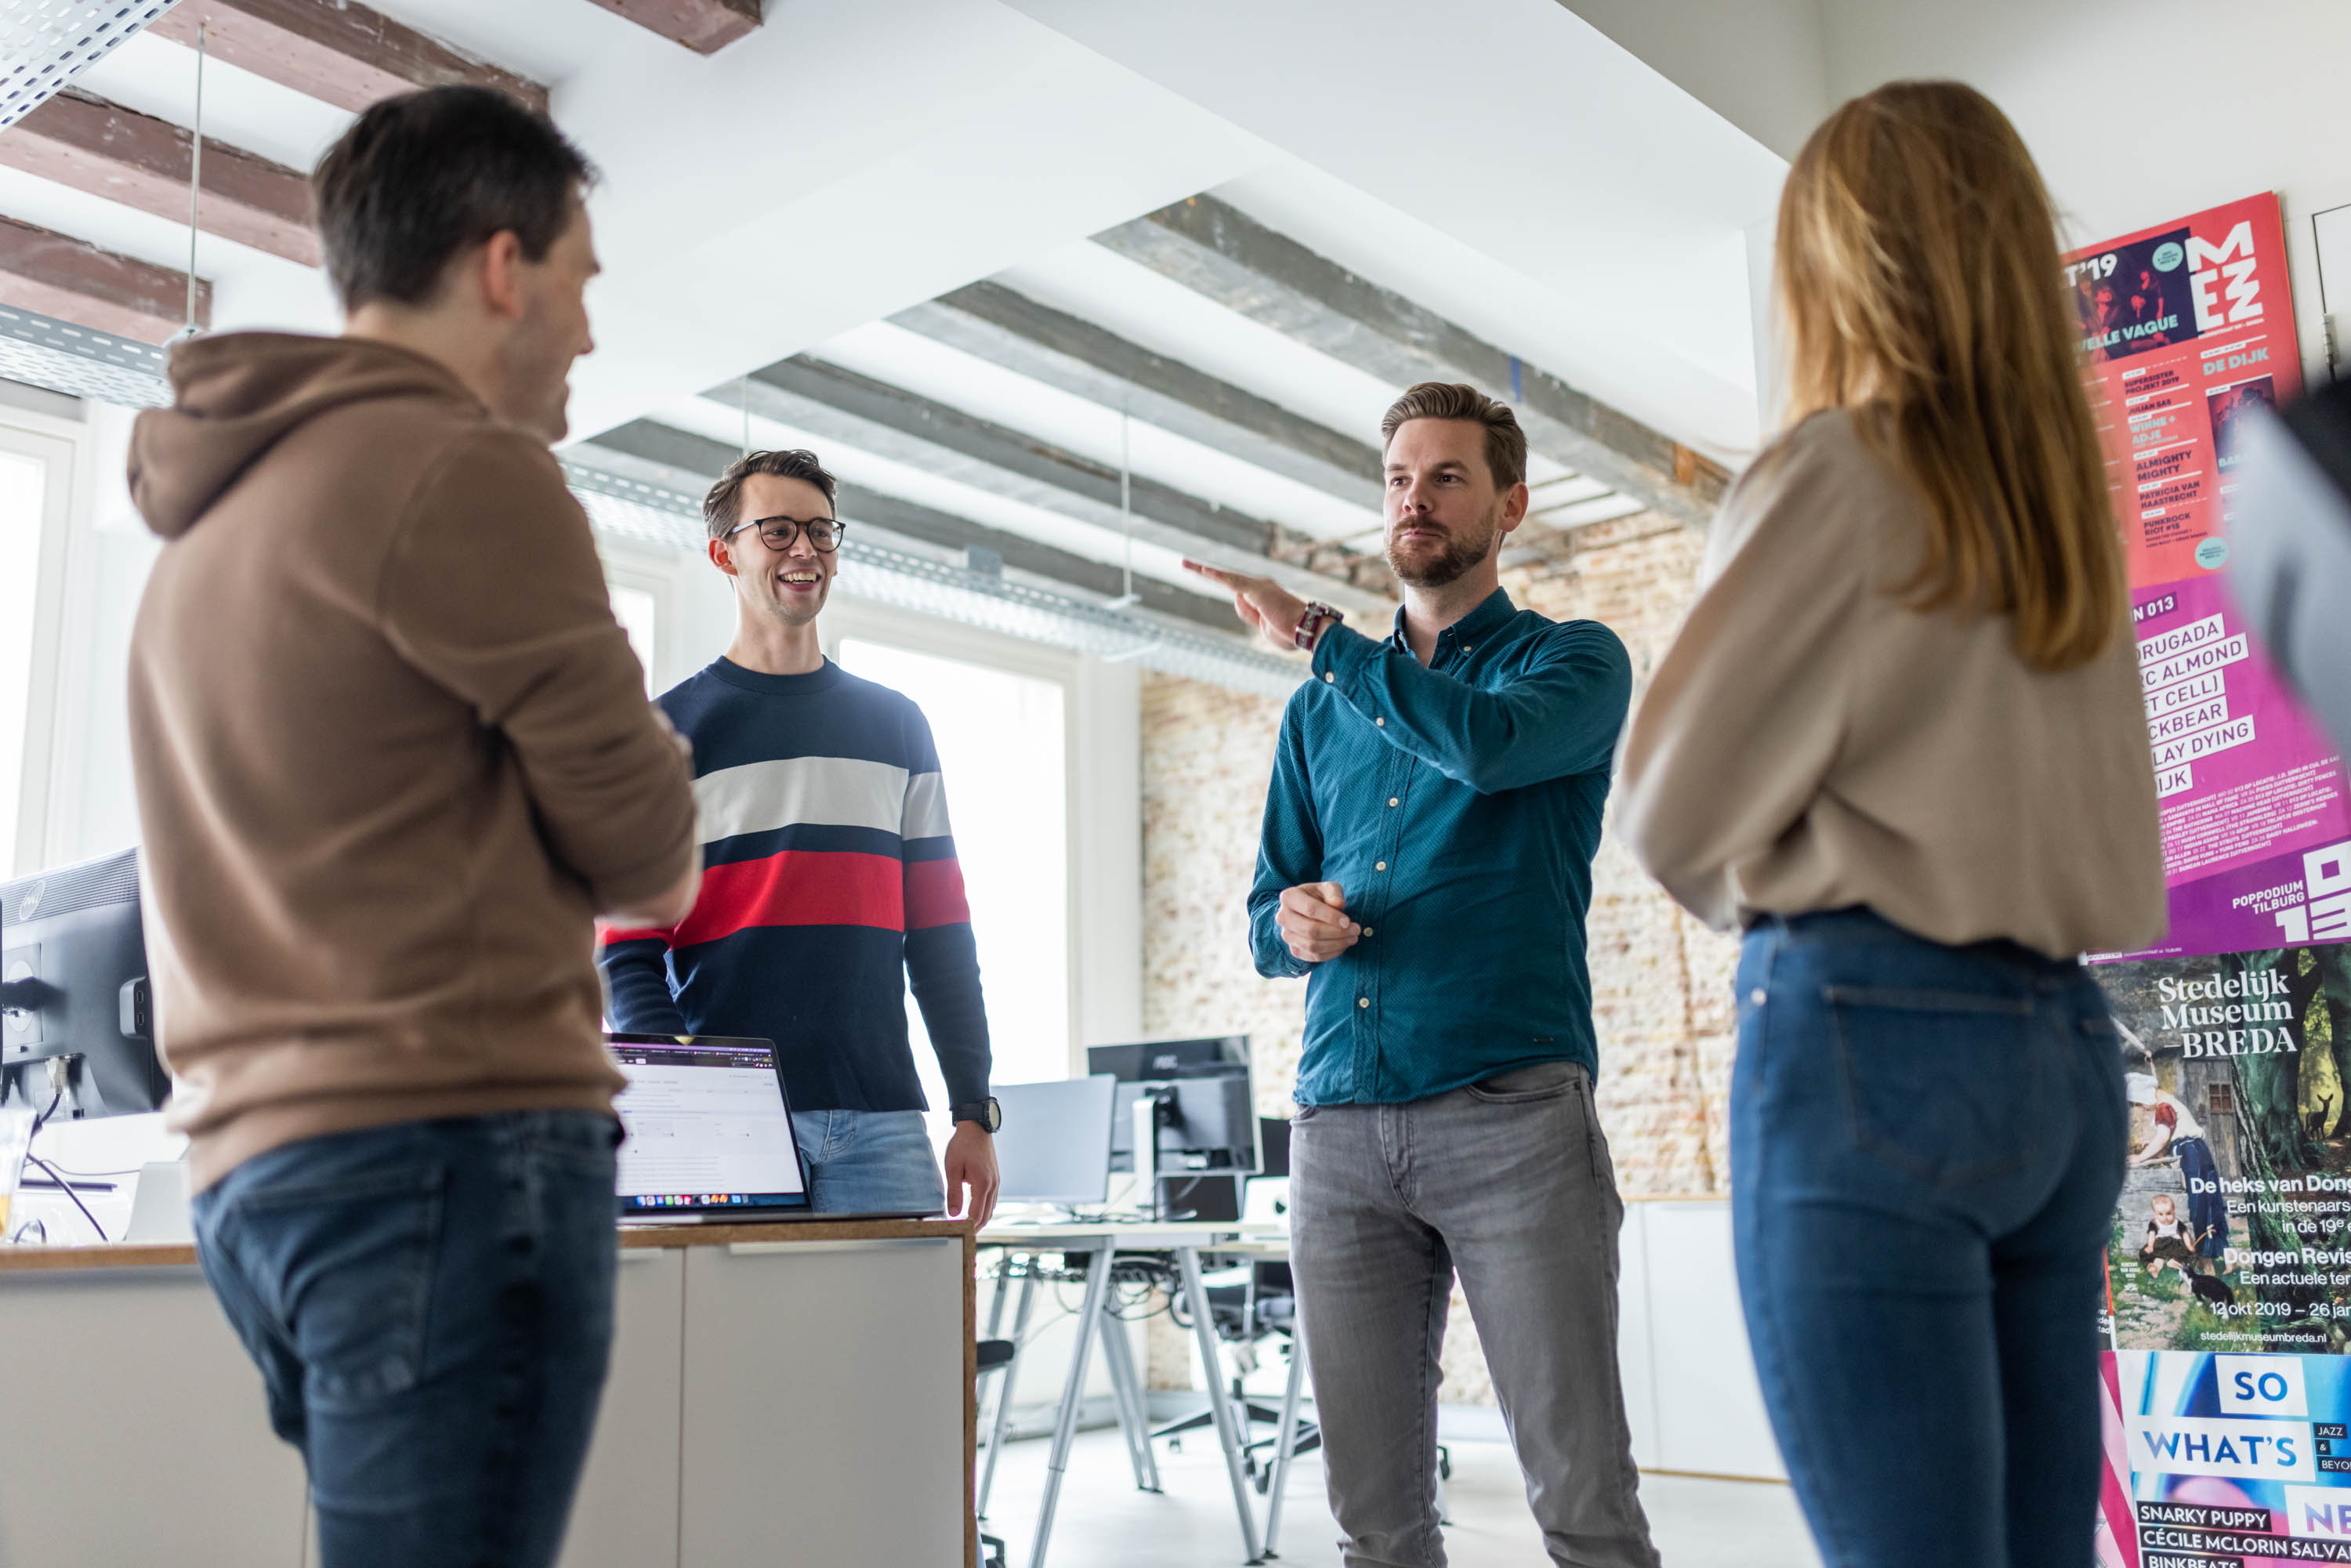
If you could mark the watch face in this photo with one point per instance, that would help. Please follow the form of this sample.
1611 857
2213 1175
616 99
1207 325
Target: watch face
995 1118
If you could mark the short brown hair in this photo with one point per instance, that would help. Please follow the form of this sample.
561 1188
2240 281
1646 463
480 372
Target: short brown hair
1506 444
722 508
421 177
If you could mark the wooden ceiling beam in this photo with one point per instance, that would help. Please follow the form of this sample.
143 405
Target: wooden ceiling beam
141 161
706 27
73 281
338 52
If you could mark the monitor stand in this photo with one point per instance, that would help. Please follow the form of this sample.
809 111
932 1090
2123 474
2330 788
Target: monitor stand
1146 1153
158 1205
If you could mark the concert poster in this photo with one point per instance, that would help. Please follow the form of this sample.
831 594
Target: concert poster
2227 1385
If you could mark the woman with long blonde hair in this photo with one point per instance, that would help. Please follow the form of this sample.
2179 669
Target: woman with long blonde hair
1899 742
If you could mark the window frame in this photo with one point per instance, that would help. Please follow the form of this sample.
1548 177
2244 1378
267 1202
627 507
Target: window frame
57 445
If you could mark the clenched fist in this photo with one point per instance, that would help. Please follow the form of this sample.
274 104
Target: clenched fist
1314 922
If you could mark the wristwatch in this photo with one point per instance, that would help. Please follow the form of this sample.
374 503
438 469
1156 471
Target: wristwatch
987 1113
1318 618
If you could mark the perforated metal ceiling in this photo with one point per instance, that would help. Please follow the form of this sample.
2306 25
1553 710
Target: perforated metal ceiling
44 43
44 352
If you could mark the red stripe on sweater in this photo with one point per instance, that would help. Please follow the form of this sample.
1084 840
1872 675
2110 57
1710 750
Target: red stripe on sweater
934 895
797 887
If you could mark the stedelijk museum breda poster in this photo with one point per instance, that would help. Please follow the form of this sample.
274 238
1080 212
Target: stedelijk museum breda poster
2228 1430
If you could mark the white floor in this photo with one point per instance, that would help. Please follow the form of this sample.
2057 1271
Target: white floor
1104 1520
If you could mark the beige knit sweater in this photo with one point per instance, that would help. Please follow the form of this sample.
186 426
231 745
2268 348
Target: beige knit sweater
1811 742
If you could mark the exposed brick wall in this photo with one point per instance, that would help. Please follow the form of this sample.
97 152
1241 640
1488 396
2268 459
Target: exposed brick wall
1208 756
1661 982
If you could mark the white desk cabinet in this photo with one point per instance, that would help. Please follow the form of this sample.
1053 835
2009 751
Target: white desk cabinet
790 1349
794 1393
626 1515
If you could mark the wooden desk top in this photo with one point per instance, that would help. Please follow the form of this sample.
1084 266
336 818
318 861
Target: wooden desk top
182 1255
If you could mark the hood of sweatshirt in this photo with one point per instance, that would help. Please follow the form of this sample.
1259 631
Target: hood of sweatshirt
236 395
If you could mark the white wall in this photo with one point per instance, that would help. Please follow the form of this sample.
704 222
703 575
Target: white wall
2140 111
2137 111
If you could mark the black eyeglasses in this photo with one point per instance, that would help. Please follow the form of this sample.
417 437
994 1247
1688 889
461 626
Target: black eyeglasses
780 534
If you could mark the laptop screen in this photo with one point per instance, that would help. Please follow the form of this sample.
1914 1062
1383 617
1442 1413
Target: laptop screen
709 1130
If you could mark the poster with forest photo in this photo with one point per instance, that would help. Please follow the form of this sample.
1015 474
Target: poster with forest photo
2234 1229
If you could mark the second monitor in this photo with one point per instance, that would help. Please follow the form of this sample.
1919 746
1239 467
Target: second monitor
1201 1106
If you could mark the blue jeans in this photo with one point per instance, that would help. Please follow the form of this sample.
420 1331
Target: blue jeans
1927 1143
431 1306
870 1161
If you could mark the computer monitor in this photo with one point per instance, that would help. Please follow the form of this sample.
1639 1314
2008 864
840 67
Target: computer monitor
1054 1144
1162 1059
1208 1114
75 964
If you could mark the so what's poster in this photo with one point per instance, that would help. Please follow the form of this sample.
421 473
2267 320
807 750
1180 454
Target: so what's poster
2228 1411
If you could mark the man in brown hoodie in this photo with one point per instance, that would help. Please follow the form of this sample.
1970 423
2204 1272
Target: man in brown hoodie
393 756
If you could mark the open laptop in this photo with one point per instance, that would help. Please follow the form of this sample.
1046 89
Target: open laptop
709 1134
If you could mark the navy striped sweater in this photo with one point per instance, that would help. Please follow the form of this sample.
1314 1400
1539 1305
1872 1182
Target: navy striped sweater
829 883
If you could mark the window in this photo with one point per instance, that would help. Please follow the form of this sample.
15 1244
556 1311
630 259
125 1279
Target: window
1001 740
23 487
38 452
638 611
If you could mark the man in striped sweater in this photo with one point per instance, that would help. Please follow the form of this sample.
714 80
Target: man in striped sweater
830 877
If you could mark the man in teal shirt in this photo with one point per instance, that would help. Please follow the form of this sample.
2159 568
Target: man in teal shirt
1426 864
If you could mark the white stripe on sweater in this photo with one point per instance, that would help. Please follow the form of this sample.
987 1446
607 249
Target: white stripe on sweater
927 807
835 792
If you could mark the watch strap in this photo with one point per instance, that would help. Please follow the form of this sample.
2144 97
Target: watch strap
1318 618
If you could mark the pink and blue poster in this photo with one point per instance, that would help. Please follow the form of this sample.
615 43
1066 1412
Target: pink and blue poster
2229 1266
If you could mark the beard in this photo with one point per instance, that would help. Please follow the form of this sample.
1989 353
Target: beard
1448 560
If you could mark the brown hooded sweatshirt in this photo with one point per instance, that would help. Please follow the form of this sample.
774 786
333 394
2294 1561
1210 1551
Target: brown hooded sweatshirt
394 753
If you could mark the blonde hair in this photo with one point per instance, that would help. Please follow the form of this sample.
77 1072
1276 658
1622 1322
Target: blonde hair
1919 283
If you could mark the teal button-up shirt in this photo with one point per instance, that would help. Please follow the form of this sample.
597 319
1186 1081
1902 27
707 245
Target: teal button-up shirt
1458 807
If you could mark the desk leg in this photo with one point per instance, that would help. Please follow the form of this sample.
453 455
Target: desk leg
1285 1440
1073 1392
1196 1298
1134 1410
1006 1379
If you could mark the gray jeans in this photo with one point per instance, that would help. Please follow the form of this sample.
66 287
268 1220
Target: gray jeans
1508 1182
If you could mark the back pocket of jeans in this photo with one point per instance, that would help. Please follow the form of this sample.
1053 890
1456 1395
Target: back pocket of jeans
1939 1084
350 1260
